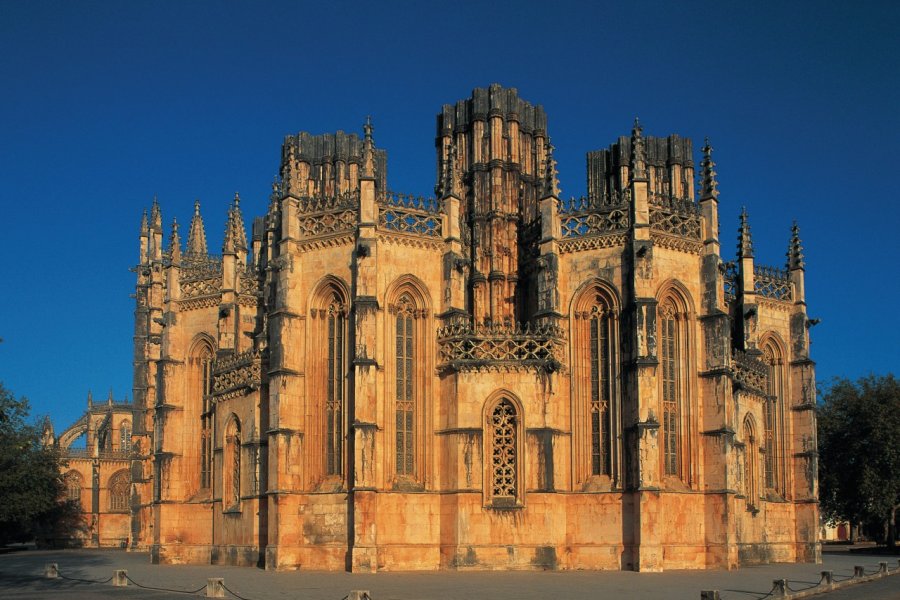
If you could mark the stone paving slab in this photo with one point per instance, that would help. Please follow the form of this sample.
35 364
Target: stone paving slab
21 576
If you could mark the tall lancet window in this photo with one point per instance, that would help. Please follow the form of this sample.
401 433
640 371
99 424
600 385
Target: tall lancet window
772 415
203 364
670 364
124 436
405 408
595 385
334 398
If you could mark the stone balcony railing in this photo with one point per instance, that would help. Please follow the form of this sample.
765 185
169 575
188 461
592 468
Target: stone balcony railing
236 375
675 216
89 453
415 215
324 216
772 282
463 346
589 216
750 373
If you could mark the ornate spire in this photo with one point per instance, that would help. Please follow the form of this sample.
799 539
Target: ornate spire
709 186
228 240
277 193
90 399
145 225
155 216
109 398
795 249
235 234
638 158
237 224
551 179
745 244
196 242
368 149
175 243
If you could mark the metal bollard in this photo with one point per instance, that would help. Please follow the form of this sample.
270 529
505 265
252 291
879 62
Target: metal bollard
859 571
779 588
51 570
215 587
828 577
710 595
359 595
120 578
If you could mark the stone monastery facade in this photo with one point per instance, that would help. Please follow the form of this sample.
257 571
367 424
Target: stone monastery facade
491 379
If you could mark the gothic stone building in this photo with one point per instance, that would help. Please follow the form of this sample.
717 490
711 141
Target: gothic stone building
96 470
495 378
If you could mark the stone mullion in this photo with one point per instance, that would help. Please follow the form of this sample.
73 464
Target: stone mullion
616 463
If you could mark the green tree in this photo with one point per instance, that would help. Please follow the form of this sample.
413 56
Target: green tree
31 488
859 452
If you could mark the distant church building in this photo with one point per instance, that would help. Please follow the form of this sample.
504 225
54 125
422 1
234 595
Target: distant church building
96 471
494 378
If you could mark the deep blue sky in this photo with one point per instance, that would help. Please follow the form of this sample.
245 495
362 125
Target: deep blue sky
104 105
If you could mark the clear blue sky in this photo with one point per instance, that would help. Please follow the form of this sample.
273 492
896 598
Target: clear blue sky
105 104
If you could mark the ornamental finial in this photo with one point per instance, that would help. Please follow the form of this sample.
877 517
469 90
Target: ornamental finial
638 157
709 186
745 243
795 249
551 176
196 242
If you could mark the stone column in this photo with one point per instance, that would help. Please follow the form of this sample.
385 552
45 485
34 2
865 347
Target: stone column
362 400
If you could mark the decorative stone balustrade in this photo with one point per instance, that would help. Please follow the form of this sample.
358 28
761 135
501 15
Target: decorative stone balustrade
772 282
750 373
466 347
675 216
402 213
235 375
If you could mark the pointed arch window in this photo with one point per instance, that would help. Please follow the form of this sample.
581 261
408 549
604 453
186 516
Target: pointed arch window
124 436
504 477
595 386
74 482
772 411
119 488
751 463
670 358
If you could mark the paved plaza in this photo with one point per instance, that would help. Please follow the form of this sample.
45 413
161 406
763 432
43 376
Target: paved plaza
21 576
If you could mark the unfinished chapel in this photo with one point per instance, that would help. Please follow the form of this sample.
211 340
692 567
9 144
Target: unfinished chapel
492 378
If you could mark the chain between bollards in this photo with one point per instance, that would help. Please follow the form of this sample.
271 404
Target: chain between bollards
215 586
782 589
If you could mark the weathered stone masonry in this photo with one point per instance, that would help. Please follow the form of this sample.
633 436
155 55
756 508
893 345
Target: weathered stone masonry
493 378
